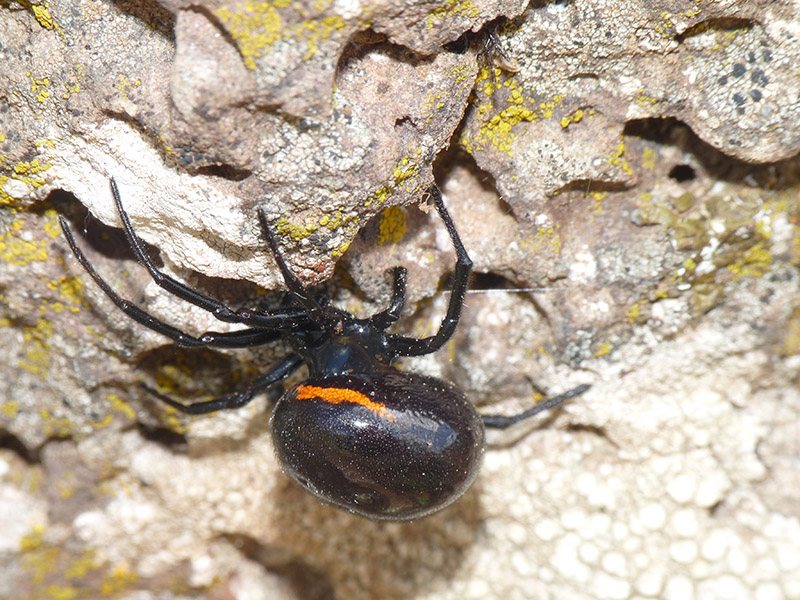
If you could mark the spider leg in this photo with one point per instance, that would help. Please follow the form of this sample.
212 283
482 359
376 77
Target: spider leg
235 339
252 317
242 338
288 321
296 287
317 313
280 371
385 318
503 422
173 286
407 346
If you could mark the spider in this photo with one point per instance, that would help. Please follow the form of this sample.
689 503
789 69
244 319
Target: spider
357 433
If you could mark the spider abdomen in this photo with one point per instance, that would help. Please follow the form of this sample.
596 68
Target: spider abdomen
386 444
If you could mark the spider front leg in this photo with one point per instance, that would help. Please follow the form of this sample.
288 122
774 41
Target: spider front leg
220 311
406 346
234 339
170 284
295 286
385 318
324 316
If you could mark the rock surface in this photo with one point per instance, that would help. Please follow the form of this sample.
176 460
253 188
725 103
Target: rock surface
627 181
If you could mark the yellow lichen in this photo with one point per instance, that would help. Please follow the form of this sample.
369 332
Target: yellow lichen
120 578
603 349
645 101
791 337
125 85
433 104
635 311
257 26
34 540
73 84
406 172
41 13
452 8
546 239
39 87
691 13
254 28
392 225
617 158
102 423
297 232
340 250
6 199
574 117
316 32
23 171
465 142
80 567
459 73
9 408
649 158
764 227
37 353
333 221
666 28
70 288
497 130
85 575
755 263
19 252
60 427
65 490
119 405
597 201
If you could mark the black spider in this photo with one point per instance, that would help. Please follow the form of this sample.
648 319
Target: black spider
358 433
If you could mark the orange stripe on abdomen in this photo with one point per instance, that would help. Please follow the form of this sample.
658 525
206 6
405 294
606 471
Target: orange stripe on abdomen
334 395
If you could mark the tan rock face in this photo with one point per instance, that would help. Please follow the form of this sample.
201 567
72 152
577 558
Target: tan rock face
625 177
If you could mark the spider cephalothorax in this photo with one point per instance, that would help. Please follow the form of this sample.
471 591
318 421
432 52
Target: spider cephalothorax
357 433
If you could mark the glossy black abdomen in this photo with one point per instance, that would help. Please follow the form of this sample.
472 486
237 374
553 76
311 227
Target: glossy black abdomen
387 444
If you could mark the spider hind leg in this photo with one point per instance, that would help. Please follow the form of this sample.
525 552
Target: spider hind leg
233 401
504 422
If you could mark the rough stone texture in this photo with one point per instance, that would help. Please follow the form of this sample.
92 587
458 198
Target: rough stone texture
632 166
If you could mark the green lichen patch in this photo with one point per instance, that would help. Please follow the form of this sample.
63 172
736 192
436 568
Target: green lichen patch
725 237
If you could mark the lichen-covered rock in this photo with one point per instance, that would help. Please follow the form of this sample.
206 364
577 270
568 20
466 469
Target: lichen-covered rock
625 177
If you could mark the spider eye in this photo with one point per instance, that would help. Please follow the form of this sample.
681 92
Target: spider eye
386 445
